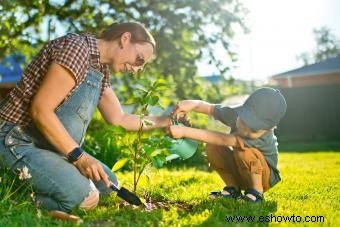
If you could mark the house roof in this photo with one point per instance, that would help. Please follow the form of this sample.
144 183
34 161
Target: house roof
10 69
212 78
331 65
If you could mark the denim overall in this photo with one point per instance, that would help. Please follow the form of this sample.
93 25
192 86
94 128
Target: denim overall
58 184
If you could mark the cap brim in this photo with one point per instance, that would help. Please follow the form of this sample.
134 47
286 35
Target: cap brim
250 119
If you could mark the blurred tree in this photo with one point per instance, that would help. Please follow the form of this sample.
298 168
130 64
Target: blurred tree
327 46
183 30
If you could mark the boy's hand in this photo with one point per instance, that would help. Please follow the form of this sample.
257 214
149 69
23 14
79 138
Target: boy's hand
176 131
185 106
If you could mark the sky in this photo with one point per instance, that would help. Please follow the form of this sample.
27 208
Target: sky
280 30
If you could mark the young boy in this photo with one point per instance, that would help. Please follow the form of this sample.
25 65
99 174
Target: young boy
247 157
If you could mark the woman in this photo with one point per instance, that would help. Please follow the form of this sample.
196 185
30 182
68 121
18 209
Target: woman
44 118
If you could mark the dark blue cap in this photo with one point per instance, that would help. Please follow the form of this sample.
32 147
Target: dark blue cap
263 109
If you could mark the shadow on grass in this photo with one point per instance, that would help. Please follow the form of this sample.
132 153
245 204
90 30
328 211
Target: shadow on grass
220 212
226 212
128 217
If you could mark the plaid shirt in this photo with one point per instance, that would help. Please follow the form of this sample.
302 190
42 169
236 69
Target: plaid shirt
74 52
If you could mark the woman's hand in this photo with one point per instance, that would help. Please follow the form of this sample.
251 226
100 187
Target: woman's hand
92 169
176 131
185 120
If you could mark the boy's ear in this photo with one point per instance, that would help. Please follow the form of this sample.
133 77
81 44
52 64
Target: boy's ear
269 129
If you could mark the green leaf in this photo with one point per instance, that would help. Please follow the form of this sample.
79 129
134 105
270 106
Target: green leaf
131 100
155 153
148 149
140 93
160 82
162 88
144 82
119 164
118 130
157 162
152 100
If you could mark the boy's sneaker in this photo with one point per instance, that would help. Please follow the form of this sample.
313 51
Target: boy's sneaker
227 192
258 196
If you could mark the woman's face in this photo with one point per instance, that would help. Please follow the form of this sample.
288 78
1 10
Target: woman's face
131 56
244 131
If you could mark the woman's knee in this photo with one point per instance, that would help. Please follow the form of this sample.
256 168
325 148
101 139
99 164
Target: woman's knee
60 183
65 201
85 197
91 201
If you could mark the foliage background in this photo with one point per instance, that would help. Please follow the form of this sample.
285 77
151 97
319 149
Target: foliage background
185 32
327 46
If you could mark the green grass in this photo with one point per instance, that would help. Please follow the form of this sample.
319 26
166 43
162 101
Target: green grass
310 187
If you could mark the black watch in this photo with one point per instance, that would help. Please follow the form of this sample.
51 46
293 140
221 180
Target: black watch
75 154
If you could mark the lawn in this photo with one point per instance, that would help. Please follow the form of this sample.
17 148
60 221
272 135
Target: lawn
310 189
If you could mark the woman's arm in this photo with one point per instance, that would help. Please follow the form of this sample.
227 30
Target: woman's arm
112 112
207 136
57 83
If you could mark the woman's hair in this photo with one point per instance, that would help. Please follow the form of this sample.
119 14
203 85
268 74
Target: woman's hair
139 34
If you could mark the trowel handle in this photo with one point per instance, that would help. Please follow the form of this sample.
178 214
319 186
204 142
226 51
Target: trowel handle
114 187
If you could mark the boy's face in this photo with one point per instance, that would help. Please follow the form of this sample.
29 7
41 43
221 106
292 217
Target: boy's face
244 131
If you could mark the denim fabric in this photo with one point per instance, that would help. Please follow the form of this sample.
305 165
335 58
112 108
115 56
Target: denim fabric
58 184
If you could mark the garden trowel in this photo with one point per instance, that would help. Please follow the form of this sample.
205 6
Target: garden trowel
127 195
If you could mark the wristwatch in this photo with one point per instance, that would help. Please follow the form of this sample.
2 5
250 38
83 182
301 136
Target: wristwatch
75 154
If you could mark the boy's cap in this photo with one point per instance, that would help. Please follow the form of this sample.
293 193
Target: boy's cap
263 109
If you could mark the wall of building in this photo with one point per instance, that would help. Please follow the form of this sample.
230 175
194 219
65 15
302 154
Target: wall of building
313 113
302 81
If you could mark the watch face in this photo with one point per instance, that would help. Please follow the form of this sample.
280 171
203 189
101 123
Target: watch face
75 154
